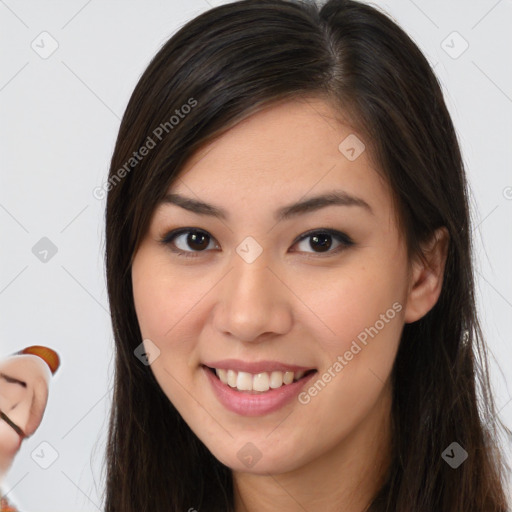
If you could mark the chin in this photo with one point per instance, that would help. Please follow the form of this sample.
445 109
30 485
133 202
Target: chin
257 456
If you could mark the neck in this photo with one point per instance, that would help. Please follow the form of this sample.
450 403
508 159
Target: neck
343 480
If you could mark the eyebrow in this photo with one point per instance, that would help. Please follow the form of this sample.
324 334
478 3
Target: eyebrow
333 198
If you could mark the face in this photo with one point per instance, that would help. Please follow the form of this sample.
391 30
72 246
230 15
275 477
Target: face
314 295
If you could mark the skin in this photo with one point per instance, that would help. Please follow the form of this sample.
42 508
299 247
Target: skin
294 303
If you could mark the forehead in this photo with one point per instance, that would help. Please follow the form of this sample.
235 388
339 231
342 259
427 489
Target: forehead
281 153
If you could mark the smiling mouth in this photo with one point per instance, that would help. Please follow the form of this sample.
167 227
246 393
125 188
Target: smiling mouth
260 382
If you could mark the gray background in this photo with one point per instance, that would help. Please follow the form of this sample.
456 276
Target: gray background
59 119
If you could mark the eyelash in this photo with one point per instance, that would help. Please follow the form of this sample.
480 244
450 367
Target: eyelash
344 240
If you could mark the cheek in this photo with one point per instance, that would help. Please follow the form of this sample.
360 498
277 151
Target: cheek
362 318
168 308
161 297
354 303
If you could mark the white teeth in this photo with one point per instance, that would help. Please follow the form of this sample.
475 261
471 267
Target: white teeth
276 380
223 375
260 382
288 377
244 381
231 376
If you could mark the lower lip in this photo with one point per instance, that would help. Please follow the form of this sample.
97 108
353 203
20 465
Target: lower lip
247 404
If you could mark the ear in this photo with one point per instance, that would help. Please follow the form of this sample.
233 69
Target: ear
426 279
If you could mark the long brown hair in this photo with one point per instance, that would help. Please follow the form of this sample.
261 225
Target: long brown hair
224 65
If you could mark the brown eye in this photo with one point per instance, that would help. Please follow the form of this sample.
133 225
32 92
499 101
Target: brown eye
197 240
322 241
188 241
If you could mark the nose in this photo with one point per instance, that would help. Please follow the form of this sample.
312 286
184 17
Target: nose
253 303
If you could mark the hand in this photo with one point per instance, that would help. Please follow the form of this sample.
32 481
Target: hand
24 383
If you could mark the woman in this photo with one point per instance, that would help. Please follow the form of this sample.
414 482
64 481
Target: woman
289 274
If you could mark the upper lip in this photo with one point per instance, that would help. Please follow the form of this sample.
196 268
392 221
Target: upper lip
256 366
